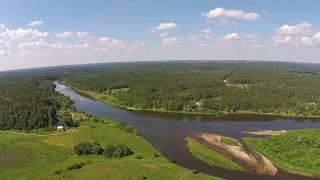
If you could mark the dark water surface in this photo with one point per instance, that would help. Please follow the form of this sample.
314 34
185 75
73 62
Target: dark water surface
167 131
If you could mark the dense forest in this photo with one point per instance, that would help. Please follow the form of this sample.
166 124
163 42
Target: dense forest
28 100
209 87
29 103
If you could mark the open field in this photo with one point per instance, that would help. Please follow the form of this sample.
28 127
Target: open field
30 157
296 151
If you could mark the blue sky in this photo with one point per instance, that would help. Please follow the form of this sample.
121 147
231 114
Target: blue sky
47 33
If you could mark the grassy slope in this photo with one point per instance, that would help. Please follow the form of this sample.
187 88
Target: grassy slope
211 157
297 151
33 157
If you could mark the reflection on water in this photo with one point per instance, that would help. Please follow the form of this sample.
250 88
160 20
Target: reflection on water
167 131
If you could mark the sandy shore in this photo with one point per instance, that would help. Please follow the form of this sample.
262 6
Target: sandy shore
266 132
252 160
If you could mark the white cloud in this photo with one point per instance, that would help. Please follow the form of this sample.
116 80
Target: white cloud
313 41
20 34
206 31
163 34
4 53
231 37
230 14
170 41
35 23
41 44
251 36
64 34
82 34
302 34
298 29
166 26
110 42
282 39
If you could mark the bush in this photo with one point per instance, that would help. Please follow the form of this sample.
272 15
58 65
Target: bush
87 148
58 171
117 151
139 157
98 150
75 166
155 154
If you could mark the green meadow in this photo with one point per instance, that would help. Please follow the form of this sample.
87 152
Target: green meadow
32 156
297 151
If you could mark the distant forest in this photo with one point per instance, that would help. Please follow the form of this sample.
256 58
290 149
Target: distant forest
28 100
210 87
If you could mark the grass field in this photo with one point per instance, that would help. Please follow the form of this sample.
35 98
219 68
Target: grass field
211 157
38 157
297 151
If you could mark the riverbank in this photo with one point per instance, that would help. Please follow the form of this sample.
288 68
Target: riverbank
172 143
29 156
296 151
112 100
234 150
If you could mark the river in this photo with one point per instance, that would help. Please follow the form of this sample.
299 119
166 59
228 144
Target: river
167 131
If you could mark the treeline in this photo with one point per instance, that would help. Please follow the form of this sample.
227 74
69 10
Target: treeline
264 87
30 104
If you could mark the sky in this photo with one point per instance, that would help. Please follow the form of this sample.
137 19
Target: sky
39 33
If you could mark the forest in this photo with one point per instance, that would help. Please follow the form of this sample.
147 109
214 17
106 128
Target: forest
28 103
28 100
278 88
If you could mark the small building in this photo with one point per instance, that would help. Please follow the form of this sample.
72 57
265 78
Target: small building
60 128
198 104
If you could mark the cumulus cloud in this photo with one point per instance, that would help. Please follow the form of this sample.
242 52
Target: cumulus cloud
64 34
302 34
313 41
20 34
82 34
40 44
298 29
170 41
35 23
231 37
166 26
230 14
110 42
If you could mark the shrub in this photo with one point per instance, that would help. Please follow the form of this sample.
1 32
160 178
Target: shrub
98 150
86 148
117 151
139 157
75 166
155 154
58 171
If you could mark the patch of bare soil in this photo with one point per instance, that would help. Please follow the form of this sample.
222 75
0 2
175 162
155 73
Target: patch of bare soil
252 160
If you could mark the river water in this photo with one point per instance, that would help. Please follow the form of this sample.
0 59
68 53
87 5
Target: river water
167 131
